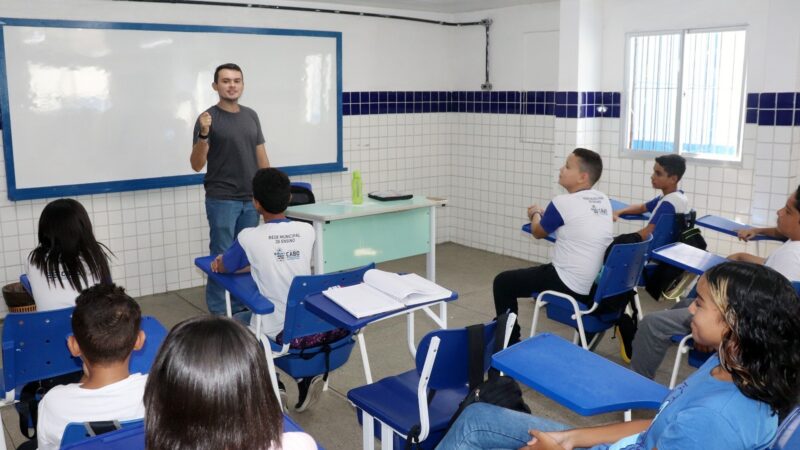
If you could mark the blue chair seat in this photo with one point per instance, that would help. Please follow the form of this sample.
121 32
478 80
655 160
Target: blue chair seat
394 400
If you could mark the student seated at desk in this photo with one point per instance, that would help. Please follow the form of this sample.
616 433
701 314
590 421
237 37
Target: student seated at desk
68 258
667 173
277 251
732 402
210 389
105 328
655 331
581 219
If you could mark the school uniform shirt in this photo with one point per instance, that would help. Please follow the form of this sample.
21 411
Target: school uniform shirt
296 440
52 295
276 251
583 226
72 403
786 260
672 203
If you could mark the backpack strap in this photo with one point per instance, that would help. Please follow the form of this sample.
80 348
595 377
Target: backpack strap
499 340
475 346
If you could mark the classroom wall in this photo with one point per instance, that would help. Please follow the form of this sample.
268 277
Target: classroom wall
490 160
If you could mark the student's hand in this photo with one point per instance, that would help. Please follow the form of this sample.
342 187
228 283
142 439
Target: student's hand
217 266
534 209
615 216
746 234
546 441
205 123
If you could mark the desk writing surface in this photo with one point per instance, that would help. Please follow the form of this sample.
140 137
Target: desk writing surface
576 378
345 209
729 227
687 257
240 285
328 310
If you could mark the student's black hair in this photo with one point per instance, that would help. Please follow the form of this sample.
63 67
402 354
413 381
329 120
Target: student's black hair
760 347
229 66
106 323
673 165
210 389
67 244
590 163
272 189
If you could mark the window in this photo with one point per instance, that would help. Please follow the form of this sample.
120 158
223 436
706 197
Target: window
685 93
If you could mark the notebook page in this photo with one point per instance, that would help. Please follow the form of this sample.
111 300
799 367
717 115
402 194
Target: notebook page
362 300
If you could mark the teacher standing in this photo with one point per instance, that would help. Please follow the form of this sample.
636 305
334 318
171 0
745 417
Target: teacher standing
228 137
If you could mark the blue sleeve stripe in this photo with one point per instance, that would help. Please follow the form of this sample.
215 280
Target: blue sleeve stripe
651 205
551 219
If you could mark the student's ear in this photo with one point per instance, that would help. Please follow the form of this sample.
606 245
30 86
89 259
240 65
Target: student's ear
72 345
257 206
140 339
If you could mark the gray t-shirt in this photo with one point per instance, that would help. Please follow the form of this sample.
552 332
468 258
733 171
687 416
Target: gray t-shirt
232 161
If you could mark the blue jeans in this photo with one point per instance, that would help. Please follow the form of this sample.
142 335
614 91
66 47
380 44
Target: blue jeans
485 426
226 218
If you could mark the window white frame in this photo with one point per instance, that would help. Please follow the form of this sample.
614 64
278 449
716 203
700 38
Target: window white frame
625 106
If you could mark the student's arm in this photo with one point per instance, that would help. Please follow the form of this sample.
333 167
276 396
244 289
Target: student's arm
233 260
747 257
544 222
588 437
261 156
750 233
630 209
200 147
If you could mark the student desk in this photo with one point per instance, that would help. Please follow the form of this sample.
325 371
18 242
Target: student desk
133 438
240 285
729 227
687 257
330 311
576 378
615 206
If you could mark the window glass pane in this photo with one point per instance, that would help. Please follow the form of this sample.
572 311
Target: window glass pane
654 79
712 93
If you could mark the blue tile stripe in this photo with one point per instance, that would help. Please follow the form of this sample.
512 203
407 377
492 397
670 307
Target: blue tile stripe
570 104
773 108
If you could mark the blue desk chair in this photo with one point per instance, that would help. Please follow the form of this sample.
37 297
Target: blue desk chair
402 402
81 431
619 274
299 322
686 346
26 283
787 437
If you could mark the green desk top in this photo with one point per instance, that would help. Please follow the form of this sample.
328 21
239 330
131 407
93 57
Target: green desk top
345 209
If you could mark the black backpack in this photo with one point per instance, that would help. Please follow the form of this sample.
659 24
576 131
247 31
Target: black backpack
664 275
31 395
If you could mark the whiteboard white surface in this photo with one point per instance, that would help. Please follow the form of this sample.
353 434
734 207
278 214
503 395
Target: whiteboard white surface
99 107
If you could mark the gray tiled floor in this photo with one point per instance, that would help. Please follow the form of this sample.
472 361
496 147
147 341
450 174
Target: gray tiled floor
469 272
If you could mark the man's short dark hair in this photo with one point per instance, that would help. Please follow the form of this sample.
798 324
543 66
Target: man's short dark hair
590 163
229 66
271 188
673 165
105 323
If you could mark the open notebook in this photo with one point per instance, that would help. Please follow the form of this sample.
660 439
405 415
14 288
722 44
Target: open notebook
385 291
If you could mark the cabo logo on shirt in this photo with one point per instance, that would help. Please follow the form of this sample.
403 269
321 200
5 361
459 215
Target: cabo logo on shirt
288 255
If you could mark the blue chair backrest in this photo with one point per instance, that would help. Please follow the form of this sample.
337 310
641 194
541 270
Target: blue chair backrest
302 322
788 437
301 193
622 269
26 283
131 438
77 432
450 368
35 346
142 359
665 232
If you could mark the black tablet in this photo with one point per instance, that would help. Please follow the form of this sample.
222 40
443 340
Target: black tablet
386 196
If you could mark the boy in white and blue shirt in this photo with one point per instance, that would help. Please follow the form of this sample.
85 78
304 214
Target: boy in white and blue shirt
582 223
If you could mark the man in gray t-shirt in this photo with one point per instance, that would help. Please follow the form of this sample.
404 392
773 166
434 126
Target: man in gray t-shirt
228 137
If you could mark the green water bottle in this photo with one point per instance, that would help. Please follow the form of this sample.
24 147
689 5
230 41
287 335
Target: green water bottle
358 197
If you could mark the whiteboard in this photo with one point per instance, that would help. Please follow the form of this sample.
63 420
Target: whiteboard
92 107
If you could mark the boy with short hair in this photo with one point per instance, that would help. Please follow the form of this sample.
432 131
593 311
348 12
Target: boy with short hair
667 173
105 331
277 251
582 222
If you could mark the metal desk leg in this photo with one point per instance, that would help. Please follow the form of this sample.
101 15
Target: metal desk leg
228 305
387 437
410 334
271 367
367 431
364 358
319 257
430 261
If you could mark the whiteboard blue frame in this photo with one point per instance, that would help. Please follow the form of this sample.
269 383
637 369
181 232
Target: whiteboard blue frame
15 194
